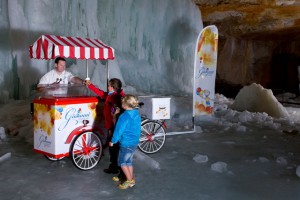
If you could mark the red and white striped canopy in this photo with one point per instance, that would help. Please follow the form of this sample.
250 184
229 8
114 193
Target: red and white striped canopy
51 46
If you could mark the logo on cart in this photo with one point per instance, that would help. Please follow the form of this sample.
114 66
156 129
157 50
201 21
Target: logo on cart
73 115
44 142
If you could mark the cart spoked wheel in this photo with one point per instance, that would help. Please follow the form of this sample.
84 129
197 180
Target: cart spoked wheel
53 159
153 136
86 150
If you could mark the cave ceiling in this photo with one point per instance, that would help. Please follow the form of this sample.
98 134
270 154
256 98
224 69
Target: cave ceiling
259 42
253 19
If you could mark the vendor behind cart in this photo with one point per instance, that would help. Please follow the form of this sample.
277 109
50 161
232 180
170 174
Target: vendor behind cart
57 76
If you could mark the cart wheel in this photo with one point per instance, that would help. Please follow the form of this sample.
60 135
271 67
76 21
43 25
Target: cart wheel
52 158
86 150
152 138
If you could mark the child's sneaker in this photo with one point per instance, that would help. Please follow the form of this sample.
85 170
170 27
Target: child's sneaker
115 179
118 179
127 184
132 183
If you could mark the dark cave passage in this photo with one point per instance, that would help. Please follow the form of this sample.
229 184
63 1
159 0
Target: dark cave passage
284 73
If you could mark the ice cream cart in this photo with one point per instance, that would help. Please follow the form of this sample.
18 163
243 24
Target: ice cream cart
63 126
66 124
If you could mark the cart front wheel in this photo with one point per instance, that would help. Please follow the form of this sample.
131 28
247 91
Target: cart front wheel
153 136
86 150
53 159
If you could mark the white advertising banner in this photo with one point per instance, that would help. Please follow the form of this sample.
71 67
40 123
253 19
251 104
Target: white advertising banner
205 66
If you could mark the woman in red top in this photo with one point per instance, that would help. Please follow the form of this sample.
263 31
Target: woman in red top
112 102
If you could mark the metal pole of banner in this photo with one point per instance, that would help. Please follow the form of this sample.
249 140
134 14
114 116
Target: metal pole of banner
180 132
183 132
193 92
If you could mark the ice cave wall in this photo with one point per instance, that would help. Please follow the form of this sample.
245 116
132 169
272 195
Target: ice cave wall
154 41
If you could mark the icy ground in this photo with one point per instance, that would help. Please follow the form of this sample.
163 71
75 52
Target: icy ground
235 155
259 164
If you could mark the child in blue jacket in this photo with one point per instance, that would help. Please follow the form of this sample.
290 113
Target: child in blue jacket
127 132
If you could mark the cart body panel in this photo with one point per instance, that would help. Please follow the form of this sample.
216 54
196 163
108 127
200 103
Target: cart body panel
57 120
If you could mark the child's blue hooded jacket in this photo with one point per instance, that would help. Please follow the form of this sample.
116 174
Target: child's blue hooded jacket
128 129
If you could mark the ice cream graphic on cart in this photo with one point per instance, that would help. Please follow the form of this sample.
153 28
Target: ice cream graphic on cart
162 111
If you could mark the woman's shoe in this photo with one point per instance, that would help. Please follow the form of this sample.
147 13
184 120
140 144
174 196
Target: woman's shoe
111 171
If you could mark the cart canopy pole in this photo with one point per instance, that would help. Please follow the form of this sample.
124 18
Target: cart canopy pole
107 71
87 71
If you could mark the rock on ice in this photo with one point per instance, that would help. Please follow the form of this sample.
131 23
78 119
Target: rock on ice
200 158
219 167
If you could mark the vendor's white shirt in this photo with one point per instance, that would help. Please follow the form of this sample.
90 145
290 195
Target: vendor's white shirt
52 76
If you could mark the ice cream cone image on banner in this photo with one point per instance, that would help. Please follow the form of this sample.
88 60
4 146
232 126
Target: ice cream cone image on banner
207 48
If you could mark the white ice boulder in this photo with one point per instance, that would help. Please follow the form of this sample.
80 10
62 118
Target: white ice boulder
146 160
5 157
255 98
